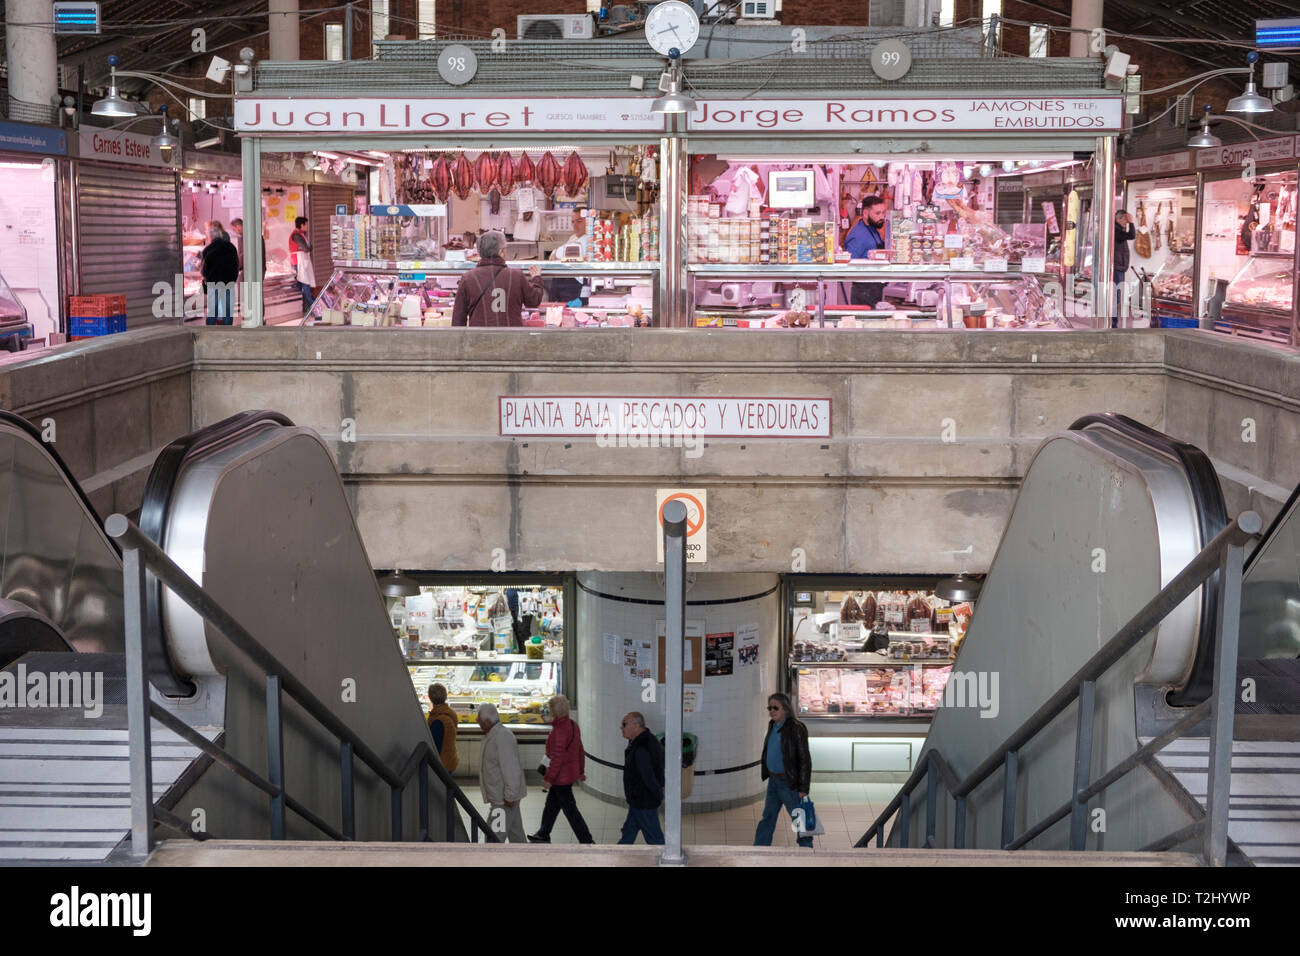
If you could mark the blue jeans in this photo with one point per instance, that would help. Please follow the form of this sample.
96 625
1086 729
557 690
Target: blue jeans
779 794
642 821
305 289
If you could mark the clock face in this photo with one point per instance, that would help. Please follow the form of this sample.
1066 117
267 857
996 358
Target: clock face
670 25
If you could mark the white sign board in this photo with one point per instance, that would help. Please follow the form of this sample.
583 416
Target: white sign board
369 115
1075 114
119 146
1238 153
634 419
697 530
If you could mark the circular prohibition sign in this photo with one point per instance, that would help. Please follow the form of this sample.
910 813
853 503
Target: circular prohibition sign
694 511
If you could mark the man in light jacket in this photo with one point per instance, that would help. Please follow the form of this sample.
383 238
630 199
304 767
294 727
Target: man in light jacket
501 777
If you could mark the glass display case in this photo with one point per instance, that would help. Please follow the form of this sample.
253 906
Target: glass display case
15 330
1266 281
419 294
872 653
484 650
1173 281
915 296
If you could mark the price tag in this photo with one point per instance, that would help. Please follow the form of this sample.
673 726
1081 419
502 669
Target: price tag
995 265
1033 264
952 240
962 264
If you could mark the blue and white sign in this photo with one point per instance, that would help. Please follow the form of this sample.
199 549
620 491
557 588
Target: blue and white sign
22 138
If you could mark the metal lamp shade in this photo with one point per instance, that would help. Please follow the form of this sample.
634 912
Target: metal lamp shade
957 589
397 585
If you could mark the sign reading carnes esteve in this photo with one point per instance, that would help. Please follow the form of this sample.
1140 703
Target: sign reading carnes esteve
367 115
608 416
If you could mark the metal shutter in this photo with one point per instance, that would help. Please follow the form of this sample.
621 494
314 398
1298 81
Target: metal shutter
321 200
128 235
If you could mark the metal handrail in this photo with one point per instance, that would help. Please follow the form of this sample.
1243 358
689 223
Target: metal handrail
140 553
1222 554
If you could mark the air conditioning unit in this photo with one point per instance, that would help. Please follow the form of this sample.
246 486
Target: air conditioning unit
758 9
573 26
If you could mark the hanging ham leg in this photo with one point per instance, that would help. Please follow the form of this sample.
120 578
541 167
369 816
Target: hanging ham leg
525 170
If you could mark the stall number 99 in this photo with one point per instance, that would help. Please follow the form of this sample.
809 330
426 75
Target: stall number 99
456 63
890 58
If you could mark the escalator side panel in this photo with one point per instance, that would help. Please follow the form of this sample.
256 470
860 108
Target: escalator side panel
280 550
1046 607
57 559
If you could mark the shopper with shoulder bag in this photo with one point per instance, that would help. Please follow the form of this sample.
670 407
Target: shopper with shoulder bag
565 764
787 768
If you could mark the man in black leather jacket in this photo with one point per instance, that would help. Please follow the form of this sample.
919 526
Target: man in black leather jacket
787 768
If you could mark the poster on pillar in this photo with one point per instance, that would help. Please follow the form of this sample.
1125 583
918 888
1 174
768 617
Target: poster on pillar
697 529
692 652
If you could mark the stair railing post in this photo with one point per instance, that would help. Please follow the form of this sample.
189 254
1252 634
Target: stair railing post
1010 766
1082 764
275 753
1223 700
423 773
137 704
346 774
931 802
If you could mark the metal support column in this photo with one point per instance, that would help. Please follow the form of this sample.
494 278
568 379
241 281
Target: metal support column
1223 698
674 514
137 705
672 228
254 268
1103 217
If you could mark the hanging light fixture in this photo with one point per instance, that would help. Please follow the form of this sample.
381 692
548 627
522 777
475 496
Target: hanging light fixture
112 105
958 588
1203 138
673 100
1250 101
397 584
165 141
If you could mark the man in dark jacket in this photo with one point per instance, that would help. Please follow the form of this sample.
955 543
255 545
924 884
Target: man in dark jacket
1125 232
220 267
643 782
787 768
491 294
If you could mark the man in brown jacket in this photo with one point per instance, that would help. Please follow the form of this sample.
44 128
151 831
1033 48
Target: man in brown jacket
491 294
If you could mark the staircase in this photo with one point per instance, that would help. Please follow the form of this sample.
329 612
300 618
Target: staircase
1264 802
65 791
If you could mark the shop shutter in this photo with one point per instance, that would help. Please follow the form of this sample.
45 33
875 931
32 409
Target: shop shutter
321 200
128 235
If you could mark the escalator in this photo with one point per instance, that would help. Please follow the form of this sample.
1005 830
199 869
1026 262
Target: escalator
1108 513
253 509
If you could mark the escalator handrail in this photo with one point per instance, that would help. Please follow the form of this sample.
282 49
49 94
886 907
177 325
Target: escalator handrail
155 511
22 424
1287 511
1211 516
155 560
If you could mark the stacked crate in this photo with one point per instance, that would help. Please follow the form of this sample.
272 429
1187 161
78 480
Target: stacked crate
92 315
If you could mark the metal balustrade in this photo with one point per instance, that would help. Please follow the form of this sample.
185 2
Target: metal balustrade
140 554
1223 555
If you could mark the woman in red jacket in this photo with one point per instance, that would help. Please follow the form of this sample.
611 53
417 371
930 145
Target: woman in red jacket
566 763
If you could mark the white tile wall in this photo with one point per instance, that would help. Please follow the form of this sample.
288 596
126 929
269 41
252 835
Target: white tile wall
732 718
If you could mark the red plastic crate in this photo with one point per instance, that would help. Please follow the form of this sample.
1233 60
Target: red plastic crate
96 305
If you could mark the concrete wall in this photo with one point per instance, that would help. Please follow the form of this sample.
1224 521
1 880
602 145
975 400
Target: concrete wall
435 487
114 405
1240 404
